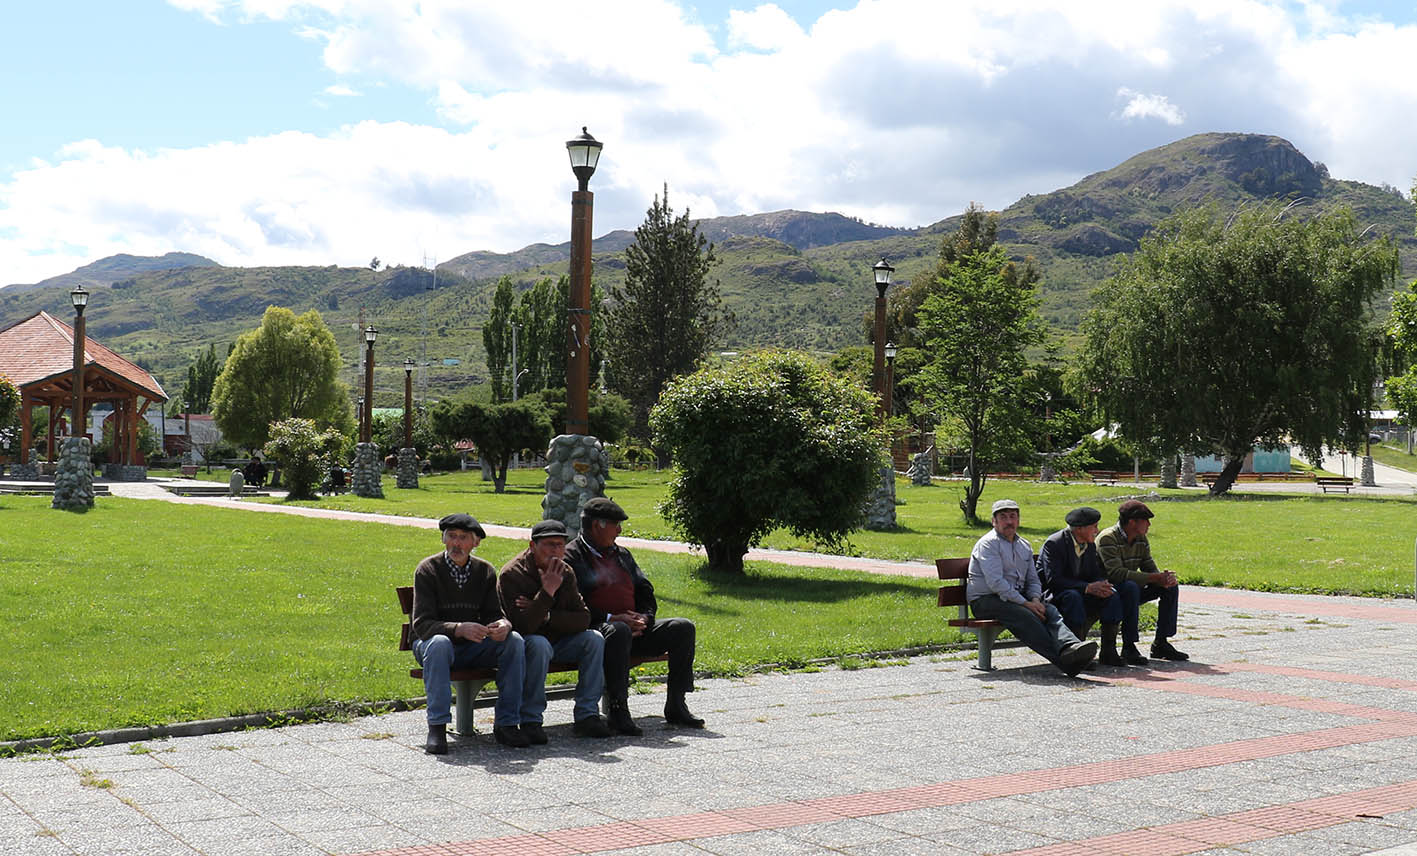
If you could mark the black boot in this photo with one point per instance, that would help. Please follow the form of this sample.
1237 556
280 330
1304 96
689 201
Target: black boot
1109 655
437 743
676 712
620 720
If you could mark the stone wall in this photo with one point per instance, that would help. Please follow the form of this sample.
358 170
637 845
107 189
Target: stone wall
880 508
408 468
576 467
368 468
125 472
73 481
29 471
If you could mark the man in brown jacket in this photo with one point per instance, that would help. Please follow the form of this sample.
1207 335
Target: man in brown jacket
539 595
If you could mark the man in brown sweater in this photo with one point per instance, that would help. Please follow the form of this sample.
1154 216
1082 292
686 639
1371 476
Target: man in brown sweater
539 595
457 623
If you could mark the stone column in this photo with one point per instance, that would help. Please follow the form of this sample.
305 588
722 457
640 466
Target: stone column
880 508
367 470
27 471
1168 471
73 482
1367 479
576 466
1188 470
408 468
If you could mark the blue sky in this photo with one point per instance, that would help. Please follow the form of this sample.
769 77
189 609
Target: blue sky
329 131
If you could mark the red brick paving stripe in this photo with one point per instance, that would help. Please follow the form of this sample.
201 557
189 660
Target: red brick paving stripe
1319 675
608 836
1308 607
1193 836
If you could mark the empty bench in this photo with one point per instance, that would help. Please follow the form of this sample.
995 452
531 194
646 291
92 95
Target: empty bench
1328 483
467 683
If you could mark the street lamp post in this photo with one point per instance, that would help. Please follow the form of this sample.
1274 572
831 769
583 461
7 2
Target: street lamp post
585 156
407 474
883 270
890 378
576 462
73 478
370 334
368 468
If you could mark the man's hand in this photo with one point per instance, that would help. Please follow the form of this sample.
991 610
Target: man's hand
1099 588
636 621
471 631
1165 579
551 576
497 631
1037 608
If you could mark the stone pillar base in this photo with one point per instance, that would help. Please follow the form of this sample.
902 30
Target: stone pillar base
1168 471
368 469
73 481
880 508
1188 470
125 472
408 468
1367 480
27 471
576 466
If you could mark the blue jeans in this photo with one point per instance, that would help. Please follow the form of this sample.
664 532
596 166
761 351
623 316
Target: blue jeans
587 650
1120 608
1048 637
440 655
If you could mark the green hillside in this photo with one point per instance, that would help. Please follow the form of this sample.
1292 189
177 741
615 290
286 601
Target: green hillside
792 278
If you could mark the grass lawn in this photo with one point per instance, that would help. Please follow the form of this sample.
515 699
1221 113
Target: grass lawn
1264 541
141 612
1395 456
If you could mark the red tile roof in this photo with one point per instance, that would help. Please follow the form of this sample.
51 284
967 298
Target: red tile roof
42 347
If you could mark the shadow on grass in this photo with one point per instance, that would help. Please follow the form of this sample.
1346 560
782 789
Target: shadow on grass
799 588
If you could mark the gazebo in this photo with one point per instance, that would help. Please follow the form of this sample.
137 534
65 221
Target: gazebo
37 354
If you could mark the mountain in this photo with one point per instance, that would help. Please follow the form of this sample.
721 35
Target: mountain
792 278
106 271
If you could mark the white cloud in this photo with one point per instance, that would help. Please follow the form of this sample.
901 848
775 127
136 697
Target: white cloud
1140 105
341 91
898 111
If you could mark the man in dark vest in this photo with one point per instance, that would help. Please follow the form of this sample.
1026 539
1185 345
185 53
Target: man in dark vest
622 606
1076 584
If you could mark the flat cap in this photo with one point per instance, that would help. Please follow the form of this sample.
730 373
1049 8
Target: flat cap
462 521
603 508
1084 516
1002 505
548 529
1133 509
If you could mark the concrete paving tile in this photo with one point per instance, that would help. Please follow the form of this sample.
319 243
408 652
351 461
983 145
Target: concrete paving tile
988 838
345 817
208 832
33 844
451 827
903 847
548 817
189 810
763 843
98 837
269 845
842 833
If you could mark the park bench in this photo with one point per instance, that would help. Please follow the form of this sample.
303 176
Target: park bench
1327 483
1104 476
189 470
467 683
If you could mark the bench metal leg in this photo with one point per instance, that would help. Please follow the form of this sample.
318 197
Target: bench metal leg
986 647
465 694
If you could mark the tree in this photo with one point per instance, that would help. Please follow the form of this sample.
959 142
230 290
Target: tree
9 411
304 453
975 327
668 313
497 340
499 430
288 368
609 414
196 394
771 440
1220 334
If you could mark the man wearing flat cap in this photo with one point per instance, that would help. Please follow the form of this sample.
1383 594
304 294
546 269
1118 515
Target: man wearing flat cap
539 595
1003 585
457 623
1075 583
622 606
1126 555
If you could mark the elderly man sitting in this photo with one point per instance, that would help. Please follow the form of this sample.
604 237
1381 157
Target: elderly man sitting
1003 585
1076 584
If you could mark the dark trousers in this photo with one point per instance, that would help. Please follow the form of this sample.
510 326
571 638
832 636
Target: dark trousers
1120 608
1048 637
1167 601
674 636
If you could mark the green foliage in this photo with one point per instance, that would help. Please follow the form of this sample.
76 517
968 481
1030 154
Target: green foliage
304 453
497 340
608 414
975 325
499 430
668 313
772 440
288 368
1402 392
9 401
1218 335
196 395
387 433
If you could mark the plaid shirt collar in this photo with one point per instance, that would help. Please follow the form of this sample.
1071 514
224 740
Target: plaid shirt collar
460 574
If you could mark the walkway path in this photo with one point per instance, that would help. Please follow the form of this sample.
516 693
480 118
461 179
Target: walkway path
1291 731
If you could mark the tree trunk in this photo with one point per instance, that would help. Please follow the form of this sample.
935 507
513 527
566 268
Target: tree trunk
1227 476
725 556
970 504
499 478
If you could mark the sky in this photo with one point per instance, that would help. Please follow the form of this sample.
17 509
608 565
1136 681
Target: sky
318 132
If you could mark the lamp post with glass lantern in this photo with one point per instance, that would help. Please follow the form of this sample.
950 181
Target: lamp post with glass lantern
890 379
367 467
882 270
73 478
408 455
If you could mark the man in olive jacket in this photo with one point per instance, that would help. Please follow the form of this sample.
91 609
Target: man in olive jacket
1125 553
457 623
538 593
622 607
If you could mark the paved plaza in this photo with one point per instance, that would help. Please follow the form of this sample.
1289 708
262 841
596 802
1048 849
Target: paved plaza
1292 730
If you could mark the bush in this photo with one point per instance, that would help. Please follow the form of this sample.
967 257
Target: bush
772 440
303 454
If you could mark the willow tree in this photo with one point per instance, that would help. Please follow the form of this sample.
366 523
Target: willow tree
1219 334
